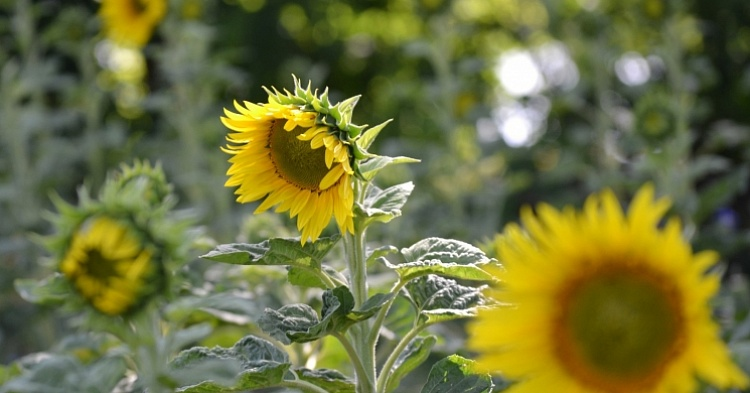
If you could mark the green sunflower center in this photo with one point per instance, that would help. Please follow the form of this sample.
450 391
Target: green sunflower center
294 159
619 328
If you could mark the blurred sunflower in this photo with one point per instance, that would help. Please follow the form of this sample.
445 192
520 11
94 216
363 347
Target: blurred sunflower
131 22
110 267
603 301
282 152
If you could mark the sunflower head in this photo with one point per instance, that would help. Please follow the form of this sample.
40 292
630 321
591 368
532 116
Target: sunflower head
112 265
115 250
655 117
131 22
603 300
297 152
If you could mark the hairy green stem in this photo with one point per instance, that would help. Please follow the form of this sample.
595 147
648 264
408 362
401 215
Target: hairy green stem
354 243
385 372
364 381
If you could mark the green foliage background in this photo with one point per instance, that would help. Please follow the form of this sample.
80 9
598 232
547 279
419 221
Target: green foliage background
428 64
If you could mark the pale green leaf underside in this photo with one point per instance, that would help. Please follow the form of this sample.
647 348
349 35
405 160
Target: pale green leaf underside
370 168
385 205
445 257
52 290
279 252
454 375
413 355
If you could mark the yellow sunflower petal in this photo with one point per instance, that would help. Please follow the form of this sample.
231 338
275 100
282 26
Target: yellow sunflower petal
280 156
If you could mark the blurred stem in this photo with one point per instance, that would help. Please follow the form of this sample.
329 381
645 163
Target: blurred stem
149 346
602 122
354 243
92 106
11 98
675 176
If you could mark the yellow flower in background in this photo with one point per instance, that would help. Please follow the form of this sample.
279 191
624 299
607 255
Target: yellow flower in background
131 22
109 266
281 153
602 301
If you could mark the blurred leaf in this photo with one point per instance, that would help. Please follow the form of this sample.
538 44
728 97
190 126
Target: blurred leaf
413 355
190 335
52 290
370 168
51 373
252 363
721 191
454 374
9 372
232 307
330 380
446 257
385 205
277 251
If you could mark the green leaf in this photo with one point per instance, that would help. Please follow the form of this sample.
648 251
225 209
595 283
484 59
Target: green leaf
370 134
252 363
103 375
439 299
385 205
371 167
309 278
290 321
300 323
54 289
445 257
278 252
454 374
413 355
331 381
379 253
721 191
304 277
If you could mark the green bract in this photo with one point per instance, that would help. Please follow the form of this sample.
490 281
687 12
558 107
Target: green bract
338 118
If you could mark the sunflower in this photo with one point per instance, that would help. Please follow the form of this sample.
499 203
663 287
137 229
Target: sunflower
131 22
282 153
110 267
602 301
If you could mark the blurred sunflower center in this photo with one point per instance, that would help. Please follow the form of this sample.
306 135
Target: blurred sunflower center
136 7
294 159
617 329
656 123
97 265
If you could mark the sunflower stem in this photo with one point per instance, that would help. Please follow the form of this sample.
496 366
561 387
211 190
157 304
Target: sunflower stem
354 244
